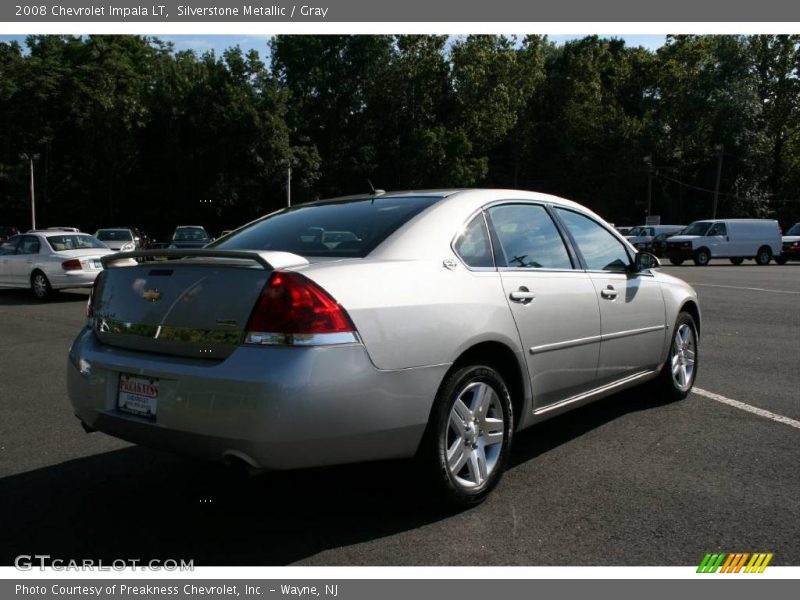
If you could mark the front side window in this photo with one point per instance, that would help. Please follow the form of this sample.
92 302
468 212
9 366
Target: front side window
718 229
601 250
473 246
528 237
697 228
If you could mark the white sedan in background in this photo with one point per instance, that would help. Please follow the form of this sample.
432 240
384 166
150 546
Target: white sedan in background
50 260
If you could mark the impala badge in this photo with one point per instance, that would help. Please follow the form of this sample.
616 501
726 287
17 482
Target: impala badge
151 295
449 264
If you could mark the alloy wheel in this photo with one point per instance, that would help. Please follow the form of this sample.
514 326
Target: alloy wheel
474 435
684 354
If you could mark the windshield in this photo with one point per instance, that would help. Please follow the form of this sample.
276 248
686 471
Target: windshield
59 243
794 229
697 228
350 228
111 235
193 234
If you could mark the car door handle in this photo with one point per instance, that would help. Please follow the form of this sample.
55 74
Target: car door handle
522 295
609 293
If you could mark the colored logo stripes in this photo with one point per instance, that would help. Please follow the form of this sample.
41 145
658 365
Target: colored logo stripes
734 562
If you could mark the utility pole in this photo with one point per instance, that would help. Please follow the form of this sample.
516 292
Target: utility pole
648 160
289 186
30 158
720 149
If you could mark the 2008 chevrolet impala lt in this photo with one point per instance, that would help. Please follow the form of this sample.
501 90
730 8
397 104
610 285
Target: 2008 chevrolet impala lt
430 324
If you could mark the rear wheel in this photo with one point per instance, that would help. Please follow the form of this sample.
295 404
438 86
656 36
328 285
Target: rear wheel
764 256
680 371
676 261
701 257
737 261
468 439
40 285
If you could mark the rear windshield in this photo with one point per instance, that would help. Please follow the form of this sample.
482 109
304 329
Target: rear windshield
350 228
194 234
109 235
794 230
73 241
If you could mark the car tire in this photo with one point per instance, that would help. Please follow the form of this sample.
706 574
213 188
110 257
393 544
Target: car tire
468 439
40 286
737 261
701 257
680 370
764 256
676 261
781 260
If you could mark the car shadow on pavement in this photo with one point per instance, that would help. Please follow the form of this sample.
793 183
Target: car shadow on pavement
138 503
25 297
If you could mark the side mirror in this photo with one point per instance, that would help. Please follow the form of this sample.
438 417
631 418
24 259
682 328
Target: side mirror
645 261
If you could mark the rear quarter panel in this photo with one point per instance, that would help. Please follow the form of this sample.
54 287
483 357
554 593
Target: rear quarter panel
418 313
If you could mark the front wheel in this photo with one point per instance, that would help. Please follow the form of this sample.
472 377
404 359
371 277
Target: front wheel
701 257
737 261
680 371
781 260
468 439
676 261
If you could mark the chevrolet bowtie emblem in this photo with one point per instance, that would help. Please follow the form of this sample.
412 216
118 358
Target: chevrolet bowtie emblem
151 295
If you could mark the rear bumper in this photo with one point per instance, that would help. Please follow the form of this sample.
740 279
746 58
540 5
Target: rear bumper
275 408
72 279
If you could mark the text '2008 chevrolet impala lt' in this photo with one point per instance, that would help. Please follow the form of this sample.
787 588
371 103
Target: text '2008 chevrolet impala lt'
430 324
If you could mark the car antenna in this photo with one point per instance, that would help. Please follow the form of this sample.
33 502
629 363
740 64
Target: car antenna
373 191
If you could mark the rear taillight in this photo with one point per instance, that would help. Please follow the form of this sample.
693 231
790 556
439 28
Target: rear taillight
293 310
71 265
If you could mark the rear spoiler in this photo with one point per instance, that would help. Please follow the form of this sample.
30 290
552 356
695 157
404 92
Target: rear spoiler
268 260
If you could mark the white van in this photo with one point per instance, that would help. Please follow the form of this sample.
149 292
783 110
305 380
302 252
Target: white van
736 239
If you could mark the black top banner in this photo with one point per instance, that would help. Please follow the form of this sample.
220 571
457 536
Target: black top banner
409 11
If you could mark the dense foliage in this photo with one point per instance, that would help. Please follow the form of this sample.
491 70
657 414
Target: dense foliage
128 131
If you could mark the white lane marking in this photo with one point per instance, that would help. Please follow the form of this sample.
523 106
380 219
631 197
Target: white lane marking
752 289
752 409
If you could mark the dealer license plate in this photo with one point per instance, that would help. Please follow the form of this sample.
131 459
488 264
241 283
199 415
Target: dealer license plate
138 395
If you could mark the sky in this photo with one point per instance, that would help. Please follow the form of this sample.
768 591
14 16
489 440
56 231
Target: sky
218 43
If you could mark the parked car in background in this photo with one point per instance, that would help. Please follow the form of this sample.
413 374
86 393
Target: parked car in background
117 238
790 249
72 229
735 239
422 338
658 246
190 236
623 230
642 236
50 260
6 231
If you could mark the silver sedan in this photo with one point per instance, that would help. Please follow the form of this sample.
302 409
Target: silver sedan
433 324
50 260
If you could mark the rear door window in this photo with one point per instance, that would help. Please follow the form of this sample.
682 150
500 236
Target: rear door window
528 237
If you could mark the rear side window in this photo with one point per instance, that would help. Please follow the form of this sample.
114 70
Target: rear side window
343 228
473 246
528 237
600 249
29 245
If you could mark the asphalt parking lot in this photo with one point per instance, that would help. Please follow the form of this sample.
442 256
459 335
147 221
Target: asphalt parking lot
625 481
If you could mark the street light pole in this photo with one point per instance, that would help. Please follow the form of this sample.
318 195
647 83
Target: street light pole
720 151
